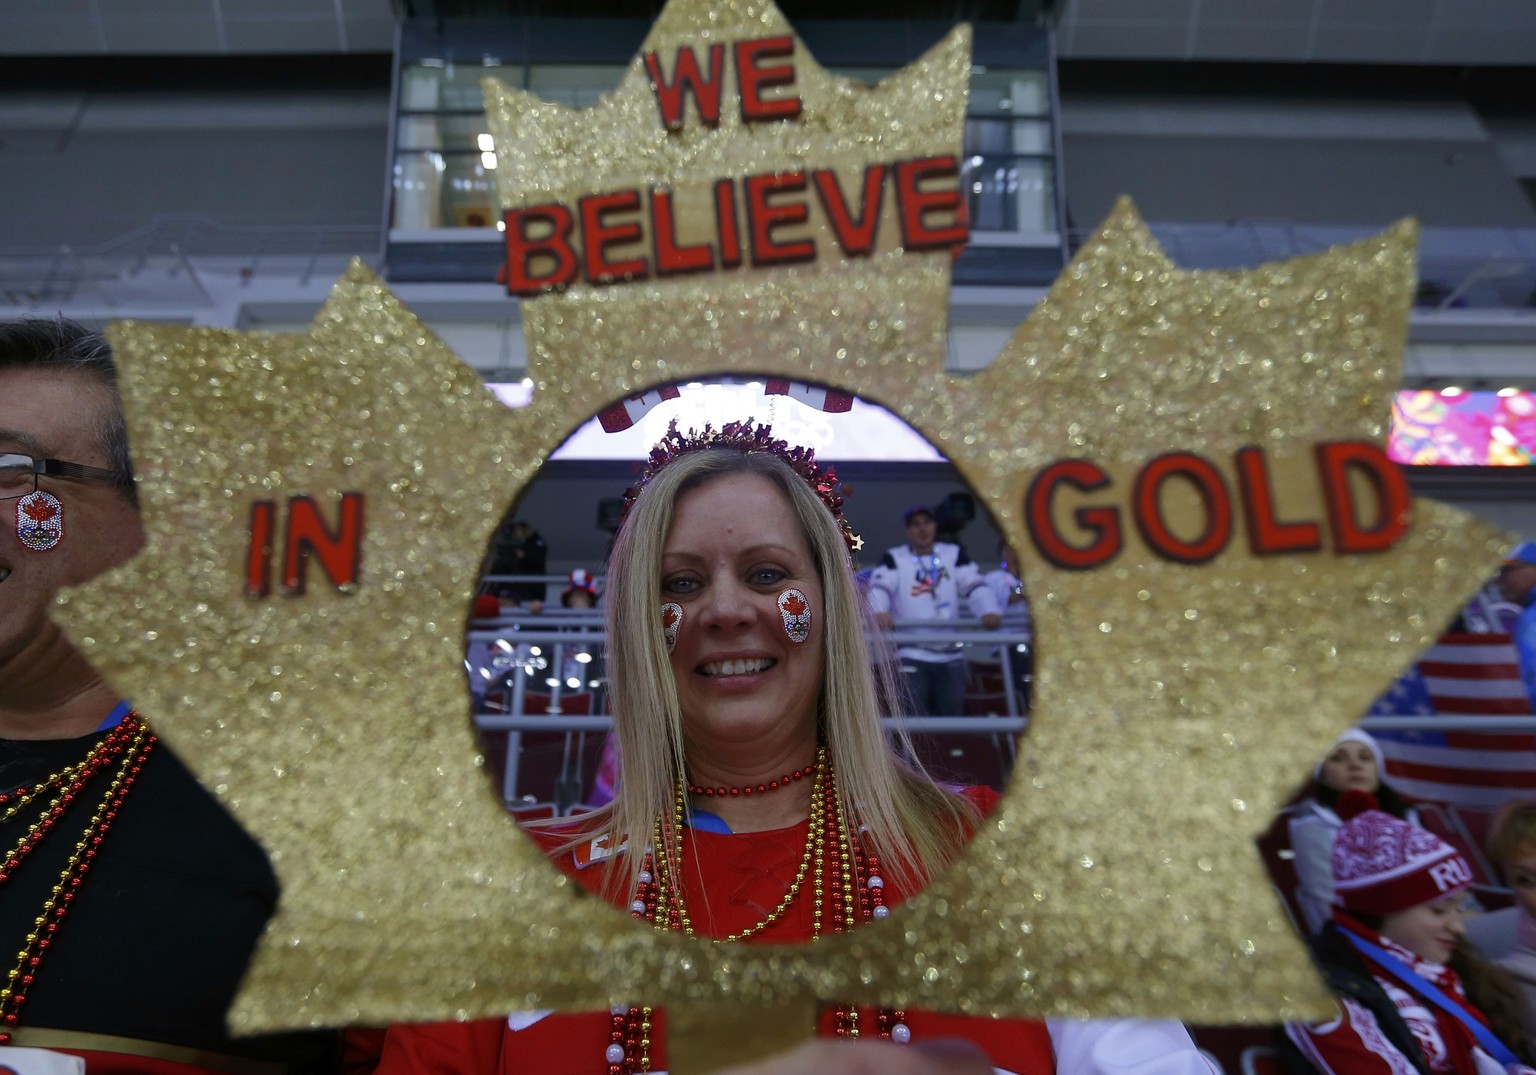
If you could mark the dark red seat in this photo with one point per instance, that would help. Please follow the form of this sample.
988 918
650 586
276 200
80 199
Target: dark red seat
1225 1046
965 759
1473 822
1262 1060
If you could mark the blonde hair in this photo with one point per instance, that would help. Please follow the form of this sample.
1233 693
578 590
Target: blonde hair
912 824
1512 832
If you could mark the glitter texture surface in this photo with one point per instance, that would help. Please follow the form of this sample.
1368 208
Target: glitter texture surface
1176 704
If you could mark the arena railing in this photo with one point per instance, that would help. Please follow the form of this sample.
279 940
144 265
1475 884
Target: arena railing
535 648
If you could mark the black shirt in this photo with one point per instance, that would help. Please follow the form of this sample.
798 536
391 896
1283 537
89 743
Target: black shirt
164 922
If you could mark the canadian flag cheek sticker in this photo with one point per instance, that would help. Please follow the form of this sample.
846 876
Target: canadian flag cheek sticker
671 621
40 521
795 610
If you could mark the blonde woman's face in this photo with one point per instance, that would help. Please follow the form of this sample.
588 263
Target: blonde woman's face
733 548
1351 766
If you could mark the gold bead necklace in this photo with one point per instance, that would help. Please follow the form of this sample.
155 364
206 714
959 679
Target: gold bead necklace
856 895
669 864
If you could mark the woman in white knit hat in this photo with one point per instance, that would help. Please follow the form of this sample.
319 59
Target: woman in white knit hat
1353 762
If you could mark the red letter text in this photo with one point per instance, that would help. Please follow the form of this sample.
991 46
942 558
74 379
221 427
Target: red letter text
754 79
1335 460
916 204
1103 523
1147 498
686 78
1266 533
339 553
522 248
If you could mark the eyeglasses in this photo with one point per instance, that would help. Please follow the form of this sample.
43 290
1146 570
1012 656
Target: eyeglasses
18 473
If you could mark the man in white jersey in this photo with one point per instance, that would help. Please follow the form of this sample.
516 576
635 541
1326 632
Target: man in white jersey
926 579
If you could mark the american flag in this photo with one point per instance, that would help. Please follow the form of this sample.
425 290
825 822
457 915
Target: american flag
1461 675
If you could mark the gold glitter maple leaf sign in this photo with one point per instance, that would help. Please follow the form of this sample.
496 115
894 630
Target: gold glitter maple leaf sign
1227 571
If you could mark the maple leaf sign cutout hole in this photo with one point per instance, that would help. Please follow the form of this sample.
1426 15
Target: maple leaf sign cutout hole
928 561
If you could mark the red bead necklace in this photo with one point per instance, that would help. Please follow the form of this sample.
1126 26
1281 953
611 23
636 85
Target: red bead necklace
846 887
120 758
758 789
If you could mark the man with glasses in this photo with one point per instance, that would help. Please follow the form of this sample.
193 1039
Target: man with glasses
1517 584
130 900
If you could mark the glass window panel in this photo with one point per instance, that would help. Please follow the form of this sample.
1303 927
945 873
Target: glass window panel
1021 91
1034 194
447 132
1007 136
453 86
418 133
1010 193
439 177
988 136
417 190
1032 136
435 190
420 88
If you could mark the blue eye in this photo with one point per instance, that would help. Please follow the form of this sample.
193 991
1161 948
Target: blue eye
680 585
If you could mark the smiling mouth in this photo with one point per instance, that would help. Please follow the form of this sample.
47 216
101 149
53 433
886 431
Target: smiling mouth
737 668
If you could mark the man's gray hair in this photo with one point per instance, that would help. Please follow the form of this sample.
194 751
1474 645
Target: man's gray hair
61 344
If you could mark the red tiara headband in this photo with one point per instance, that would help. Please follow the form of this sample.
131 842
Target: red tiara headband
748 439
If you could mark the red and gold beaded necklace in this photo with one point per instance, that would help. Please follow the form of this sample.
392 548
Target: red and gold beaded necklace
117 761
848 893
